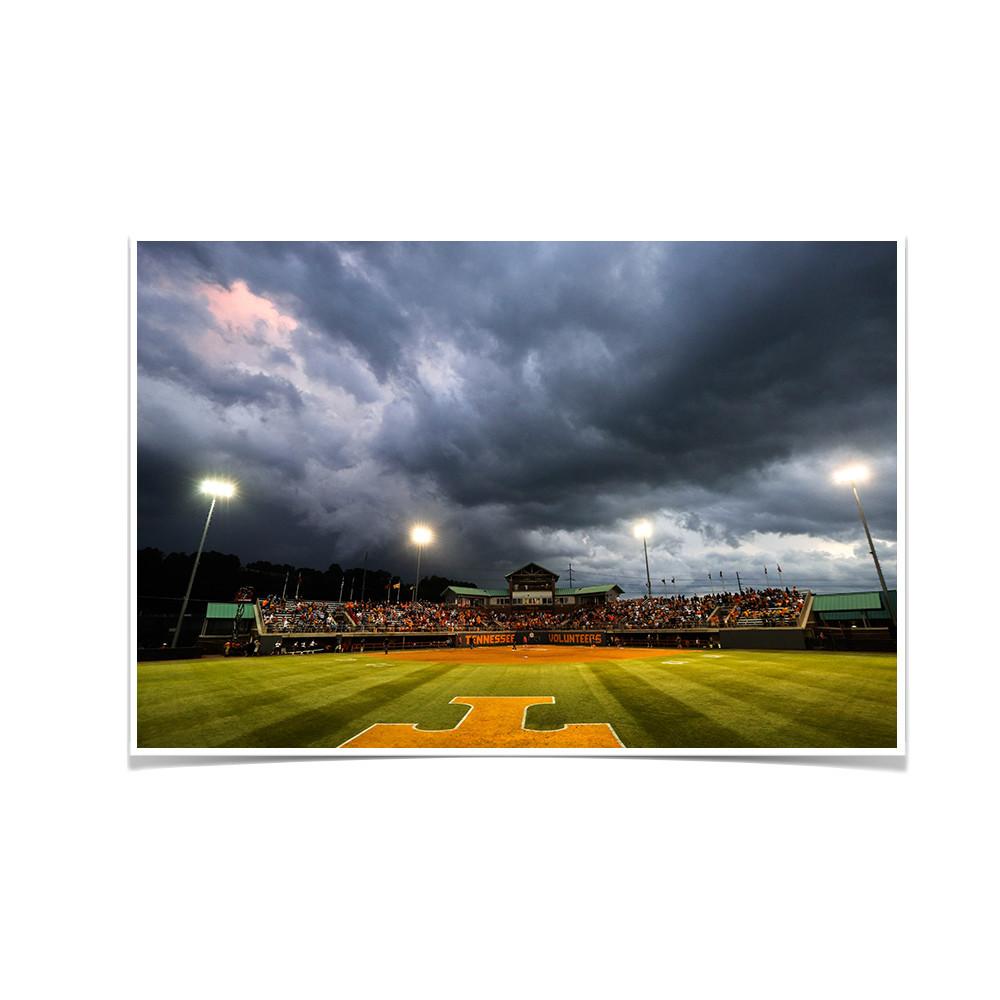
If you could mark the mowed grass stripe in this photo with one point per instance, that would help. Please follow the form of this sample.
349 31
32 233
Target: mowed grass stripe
654 717
726 699
782 707
855 706
241 685
759 720
259 705
331 721
874 680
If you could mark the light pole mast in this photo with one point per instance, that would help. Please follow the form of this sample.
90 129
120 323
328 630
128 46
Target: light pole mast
871 549
420 536
641 529
416 585
853 476
215 490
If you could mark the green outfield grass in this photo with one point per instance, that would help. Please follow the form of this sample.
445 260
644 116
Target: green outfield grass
722 698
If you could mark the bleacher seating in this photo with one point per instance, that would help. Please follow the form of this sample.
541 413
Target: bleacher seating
286 617
751 608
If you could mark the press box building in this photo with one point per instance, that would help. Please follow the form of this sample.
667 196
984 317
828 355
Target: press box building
532 585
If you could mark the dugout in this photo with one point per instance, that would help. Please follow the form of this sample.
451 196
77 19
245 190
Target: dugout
156 620
859 621
866 609
226 619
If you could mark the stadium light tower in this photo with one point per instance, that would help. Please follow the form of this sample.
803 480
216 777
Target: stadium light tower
643 529
420 536
854 474
215 488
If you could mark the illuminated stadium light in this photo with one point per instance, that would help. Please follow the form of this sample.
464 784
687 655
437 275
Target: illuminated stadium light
643 529
852 474
217 488
420 535
214 488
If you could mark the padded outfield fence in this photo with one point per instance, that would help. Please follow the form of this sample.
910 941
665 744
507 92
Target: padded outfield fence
769 638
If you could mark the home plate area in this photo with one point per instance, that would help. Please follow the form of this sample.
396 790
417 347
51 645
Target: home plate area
491 722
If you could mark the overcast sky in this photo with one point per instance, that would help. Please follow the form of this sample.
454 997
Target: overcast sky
526 401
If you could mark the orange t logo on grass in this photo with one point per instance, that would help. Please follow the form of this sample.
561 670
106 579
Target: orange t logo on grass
491 722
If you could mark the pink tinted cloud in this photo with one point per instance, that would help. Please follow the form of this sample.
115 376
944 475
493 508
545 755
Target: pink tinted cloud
240 310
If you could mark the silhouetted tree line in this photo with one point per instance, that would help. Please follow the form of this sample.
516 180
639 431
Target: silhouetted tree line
221 575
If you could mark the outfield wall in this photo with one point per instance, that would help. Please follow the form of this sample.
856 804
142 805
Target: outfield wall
353 642
748 638
180 653
880 640
763 638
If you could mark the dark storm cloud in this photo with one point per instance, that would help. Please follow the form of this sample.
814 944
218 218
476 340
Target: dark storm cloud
330 286
527 398
762 352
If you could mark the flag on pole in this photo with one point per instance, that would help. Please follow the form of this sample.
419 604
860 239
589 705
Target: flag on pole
779 569
765 571
720 574
672 580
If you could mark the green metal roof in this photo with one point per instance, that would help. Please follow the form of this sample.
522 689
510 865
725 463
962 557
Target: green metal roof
476 592
560 591
868 600
221 610
531 567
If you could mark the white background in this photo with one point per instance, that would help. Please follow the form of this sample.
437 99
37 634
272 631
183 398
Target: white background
486 877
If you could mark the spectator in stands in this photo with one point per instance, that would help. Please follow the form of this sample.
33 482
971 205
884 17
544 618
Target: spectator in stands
771 606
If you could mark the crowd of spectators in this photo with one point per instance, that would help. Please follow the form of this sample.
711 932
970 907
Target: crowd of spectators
771 606
300 616
424 616
656 612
